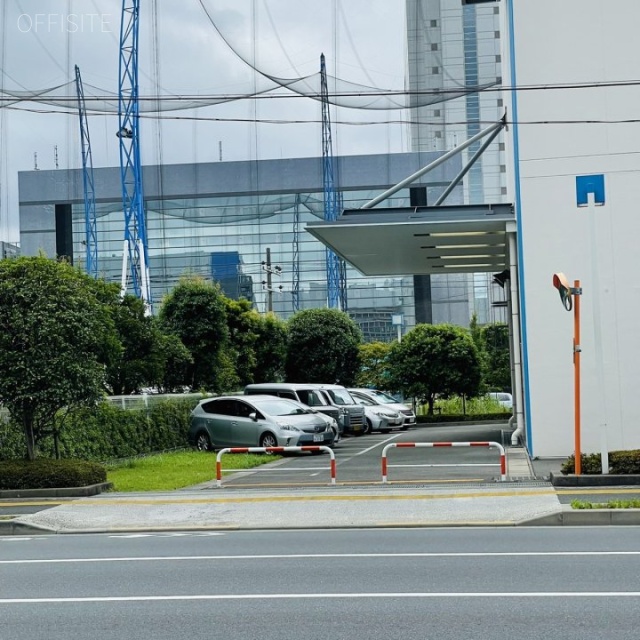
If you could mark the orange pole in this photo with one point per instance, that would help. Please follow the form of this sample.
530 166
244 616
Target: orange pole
576 367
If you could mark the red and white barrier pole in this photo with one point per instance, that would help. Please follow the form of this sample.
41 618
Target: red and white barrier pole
332 466
434 445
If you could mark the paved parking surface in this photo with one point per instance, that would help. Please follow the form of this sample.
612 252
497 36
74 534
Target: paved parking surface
358 460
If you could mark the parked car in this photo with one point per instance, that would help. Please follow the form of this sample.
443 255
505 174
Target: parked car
351 413
257 421
381 398
304 393
379 417
502 398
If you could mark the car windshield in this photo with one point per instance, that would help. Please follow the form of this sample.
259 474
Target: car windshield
366 402
382 397
340 396
311 397
279 407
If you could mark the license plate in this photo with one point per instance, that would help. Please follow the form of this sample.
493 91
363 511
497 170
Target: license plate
318 437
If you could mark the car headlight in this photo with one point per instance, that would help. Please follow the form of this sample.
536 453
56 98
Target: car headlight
288 427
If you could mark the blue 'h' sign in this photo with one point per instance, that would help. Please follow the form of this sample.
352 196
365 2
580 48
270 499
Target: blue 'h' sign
590 184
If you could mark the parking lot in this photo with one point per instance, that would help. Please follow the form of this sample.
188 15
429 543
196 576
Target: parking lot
358 460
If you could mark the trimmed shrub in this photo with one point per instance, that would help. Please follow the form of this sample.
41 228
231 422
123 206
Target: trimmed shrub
108 432
620 463
502 417
50 474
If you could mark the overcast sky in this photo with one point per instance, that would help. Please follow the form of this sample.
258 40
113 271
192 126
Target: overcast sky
363 41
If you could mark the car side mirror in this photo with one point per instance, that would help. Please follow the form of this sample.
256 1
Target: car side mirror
254 416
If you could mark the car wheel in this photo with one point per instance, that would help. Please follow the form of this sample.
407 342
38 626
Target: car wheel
203 442
386 430
404 428
268 440
367 427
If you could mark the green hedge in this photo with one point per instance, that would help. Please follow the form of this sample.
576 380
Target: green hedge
463 418
620 462
107 432
50 474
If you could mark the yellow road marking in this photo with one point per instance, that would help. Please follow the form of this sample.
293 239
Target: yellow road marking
334 498
586 491
360 483
20 503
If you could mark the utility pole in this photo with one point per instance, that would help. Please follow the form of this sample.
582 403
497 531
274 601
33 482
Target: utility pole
267 284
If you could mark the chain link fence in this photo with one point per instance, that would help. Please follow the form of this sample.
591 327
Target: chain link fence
147 400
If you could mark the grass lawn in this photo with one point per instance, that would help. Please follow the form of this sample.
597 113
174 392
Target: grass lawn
169 471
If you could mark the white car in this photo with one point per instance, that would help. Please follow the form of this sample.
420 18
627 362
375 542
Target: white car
379 417
502 398
384 399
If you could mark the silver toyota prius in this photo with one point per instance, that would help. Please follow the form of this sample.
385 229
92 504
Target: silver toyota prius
257 421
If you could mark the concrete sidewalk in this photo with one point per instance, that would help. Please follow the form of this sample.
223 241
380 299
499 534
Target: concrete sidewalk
332 507
523 500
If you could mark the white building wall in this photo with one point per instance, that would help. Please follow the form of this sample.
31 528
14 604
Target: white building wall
572 42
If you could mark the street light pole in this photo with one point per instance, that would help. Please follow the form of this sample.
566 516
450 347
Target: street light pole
576 292
570 297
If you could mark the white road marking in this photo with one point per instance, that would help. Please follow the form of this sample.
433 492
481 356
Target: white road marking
128 536
13 539
342 596
314 556
371 448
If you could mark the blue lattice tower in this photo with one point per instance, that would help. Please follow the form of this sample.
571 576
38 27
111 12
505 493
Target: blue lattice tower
91 232
336 273
135 263
295 289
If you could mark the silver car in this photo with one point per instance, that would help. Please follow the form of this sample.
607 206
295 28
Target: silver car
379 417
256 421
381 398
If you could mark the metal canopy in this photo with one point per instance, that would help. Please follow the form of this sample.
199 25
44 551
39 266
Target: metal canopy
420 240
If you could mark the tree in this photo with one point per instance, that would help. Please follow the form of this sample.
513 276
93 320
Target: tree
496 344
177 361
53 329
374 365
139 362
435 360
323 347
270 349
195 312
243 322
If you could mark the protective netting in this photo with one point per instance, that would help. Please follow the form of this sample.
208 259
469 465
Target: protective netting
342 93
264 84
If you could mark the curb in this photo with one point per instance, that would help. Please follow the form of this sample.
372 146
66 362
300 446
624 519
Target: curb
15 528
567 517
62 492
586 518
571 480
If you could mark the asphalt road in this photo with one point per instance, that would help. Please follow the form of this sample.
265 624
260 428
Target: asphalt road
358 460
448 584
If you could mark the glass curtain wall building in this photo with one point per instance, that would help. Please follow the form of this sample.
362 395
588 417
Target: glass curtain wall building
452 45
217 221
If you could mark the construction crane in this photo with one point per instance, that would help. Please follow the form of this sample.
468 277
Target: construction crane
135 259
91 232
336 268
